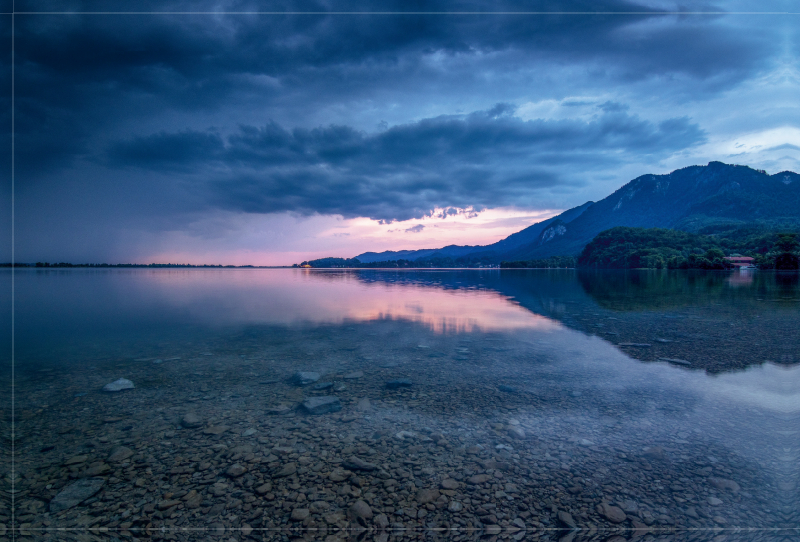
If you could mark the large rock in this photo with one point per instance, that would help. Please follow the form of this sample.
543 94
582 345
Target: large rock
339 475
567 519
322 405
119 385
722 483
449 483
356 463
322 386
191 420
121 453
360 509
236 470
304 378
75 493
299 514
611 513
424 496
478 479
286 470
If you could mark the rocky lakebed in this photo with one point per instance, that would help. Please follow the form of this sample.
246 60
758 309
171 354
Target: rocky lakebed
382 431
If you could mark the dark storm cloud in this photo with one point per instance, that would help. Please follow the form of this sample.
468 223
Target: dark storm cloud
81 77
484 159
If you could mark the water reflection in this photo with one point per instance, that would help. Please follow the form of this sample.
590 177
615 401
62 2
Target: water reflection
519 411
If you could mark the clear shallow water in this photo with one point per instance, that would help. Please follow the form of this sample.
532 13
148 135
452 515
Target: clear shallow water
669 400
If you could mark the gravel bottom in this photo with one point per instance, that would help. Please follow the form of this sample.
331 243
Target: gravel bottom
487 441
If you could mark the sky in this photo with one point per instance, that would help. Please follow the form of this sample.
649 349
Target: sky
215 132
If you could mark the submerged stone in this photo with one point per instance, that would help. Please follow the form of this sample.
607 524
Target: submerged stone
611 513
322 405
322 386
75 494
675 361
304 378
119 385
398 383
356 463
120 453
191 420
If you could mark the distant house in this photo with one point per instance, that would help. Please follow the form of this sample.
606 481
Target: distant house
740 261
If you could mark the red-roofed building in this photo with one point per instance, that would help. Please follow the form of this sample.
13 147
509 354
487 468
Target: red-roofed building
740 261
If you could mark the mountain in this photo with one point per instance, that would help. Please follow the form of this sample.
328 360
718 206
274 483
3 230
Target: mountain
495 250
696 199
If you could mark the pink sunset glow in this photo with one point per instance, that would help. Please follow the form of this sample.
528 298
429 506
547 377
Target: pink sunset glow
325 236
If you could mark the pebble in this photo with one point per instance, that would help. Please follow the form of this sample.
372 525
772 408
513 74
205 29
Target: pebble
354 375
249 432
96 469
723 483
478 479
119 385
567 519
713 501
398 383
215 429
76 460
304 378
120 453
235 470
381 521
360 509
364 404
424 496
676 361
339 475
450 484
299 514
279 409
75 493
191 420
355 463
322 405
322 386
611 513
655 452
286 470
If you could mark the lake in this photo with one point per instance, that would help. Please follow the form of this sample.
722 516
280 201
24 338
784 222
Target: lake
280 404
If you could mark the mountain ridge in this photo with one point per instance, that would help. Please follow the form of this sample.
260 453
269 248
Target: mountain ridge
690 199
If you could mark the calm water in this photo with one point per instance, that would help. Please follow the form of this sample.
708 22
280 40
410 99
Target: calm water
549 405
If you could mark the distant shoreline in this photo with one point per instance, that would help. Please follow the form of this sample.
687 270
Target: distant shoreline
62 265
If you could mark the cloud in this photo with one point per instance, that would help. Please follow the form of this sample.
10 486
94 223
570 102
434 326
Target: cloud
458 163
145 122
415 229
81 78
